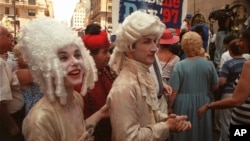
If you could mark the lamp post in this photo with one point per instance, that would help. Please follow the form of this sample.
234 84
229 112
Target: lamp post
14 17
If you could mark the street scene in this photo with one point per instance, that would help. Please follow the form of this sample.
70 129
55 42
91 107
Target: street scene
124 70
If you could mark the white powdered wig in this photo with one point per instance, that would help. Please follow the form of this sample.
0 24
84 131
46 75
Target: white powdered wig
134 27
40 41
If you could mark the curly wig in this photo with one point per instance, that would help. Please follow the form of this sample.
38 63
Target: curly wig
134 27
40 41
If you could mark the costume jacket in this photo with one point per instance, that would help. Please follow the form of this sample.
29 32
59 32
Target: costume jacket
48 121
134 106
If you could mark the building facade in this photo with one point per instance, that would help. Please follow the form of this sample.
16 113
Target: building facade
23 11
101 12
79 14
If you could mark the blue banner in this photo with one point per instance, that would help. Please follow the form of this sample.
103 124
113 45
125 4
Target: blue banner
169 11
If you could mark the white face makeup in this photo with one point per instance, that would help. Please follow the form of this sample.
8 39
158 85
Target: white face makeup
72 64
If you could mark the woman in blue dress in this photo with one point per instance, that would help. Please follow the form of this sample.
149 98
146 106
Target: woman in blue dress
193 80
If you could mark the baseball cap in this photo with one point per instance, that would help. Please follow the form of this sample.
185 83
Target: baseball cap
189 16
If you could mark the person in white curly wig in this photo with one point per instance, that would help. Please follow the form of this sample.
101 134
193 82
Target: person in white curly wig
58 61
133 102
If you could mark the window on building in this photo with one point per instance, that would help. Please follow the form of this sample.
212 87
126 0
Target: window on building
6 10
46 12
109 20
18 11
32 2
109 8
31 12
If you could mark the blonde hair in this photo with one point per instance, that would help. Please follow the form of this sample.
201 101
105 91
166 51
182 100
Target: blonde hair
191 44
204 54
134 27
40 41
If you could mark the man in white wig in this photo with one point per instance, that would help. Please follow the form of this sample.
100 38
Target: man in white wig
58 61
133 102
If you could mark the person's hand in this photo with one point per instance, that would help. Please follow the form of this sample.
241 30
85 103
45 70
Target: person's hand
97 116
172 116
202 110
104 111
167 89
183 126
178 123
183 123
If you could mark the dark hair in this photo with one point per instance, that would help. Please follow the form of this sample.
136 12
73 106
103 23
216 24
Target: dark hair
228 39
93 29
94 51
233 48
199 29
133 45
182 33
176 49
245 33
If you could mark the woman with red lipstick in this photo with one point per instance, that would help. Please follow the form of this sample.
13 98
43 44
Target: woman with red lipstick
58 62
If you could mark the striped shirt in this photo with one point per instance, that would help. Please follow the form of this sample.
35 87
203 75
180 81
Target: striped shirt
231 70
241 115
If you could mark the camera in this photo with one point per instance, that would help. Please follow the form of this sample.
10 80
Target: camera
222 14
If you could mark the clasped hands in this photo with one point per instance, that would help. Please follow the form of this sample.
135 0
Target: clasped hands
178 123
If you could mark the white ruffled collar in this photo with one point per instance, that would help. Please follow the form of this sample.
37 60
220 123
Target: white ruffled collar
146 80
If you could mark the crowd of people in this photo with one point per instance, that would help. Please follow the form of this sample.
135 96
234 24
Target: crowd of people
153 85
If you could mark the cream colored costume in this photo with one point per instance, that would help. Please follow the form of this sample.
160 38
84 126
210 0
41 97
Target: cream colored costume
133 102
134 110
50 119
41 122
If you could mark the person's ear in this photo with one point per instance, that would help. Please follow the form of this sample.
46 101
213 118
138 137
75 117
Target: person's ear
130 48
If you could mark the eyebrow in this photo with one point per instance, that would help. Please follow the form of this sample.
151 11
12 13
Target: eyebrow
62 52
77 50
65 52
